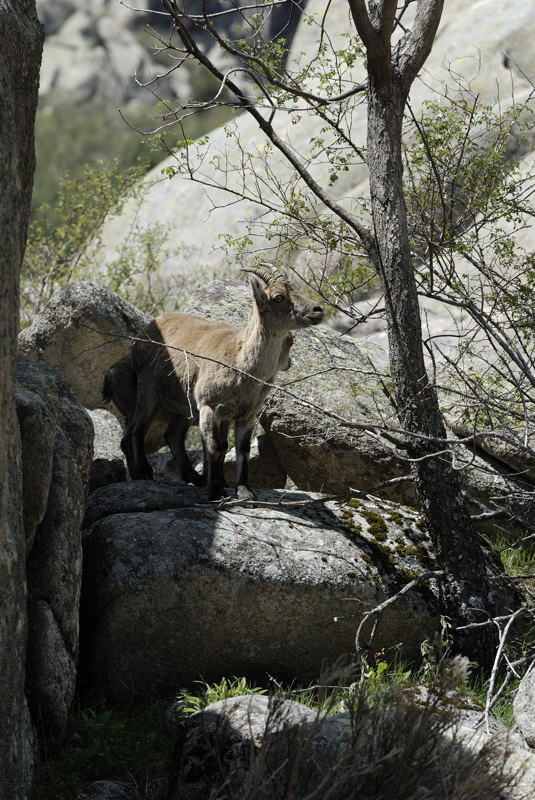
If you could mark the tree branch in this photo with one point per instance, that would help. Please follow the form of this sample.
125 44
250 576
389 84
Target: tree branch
375 35
416 45
266 126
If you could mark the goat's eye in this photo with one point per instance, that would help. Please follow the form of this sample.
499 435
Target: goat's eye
278 298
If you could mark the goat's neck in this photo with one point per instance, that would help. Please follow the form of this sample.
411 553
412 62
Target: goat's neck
260 347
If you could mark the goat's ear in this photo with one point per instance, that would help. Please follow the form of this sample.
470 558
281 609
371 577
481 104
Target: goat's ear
259 293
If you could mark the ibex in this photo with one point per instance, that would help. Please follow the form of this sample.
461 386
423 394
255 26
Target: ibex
187 369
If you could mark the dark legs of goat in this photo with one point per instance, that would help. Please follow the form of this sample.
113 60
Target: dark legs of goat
244 430
133 441
175 436
214 432
138 466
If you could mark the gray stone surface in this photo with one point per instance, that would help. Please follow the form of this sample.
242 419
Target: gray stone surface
473 39
194 589
111 790
37 433
82 330
242 723
108 435
103 36
51 670
504 444
57 436
391 749
524 707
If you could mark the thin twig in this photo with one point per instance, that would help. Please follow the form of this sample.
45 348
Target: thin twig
378 610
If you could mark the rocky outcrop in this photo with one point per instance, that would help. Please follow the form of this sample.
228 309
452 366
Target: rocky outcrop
175 588
388 748
114 50
82 330
106 41
57 438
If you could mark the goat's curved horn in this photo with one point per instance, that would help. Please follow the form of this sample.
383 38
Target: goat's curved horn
276 274
268 275
263 274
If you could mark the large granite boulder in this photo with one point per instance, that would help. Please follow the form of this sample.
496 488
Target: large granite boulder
175 588
57 448
237 727
487 44
82 330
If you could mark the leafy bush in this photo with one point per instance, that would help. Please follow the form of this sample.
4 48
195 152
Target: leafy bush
67 138
188 703
59 236
61 239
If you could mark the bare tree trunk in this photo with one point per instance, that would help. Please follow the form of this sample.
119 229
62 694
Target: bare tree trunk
468 592
21 41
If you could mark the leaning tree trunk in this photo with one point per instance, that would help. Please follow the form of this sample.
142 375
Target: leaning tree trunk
470 589
21 41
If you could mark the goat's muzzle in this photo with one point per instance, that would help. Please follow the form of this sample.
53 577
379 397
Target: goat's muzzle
316 315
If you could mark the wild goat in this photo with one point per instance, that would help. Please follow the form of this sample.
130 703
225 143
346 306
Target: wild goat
188 369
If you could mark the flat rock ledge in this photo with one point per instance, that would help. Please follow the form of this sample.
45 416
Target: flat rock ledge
175 588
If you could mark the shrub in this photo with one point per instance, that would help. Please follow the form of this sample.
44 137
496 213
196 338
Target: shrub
61 240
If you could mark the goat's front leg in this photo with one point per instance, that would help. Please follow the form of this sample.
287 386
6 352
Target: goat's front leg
214 433
244 429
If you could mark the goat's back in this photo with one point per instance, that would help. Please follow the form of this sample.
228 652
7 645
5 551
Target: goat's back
165 356
188 331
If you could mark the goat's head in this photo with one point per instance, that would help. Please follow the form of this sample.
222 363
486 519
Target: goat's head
279 303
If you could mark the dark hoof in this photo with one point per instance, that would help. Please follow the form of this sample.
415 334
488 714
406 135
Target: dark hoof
144 475
194 478
216 493
244 493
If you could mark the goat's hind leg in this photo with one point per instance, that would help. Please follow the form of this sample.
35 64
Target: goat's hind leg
133 441
175 436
